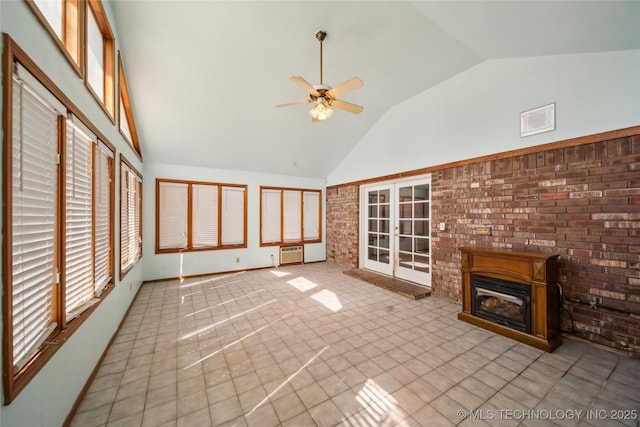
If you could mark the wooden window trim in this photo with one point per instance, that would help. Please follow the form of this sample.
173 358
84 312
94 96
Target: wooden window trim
72 42
14 382
302 240
190 247
125 271
95 7
128 109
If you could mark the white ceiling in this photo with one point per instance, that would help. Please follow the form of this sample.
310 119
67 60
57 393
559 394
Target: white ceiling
204 76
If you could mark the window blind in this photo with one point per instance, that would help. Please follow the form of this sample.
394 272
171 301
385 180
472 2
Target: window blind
130 210
103 166
78 243
232 216
204 215
33 220
292 216
311 215
173 215
270 216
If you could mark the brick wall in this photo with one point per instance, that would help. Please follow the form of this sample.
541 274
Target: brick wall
580 201
342 225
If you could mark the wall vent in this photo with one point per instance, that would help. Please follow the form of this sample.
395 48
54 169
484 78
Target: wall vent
291 254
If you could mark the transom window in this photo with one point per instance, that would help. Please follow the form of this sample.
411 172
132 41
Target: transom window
125 112
61 18
100 63
290 215
194 216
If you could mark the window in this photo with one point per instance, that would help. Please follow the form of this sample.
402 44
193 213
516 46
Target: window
100 63
59 242
200 216
61 18
125 112
289 216
130 216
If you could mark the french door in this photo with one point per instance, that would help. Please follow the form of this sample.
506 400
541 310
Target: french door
395 229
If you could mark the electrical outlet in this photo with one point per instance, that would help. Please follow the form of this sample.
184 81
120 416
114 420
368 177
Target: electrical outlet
484 231
238 259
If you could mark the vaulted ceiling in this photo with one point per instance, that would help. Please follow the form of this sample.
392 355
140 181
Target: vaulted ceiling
205 76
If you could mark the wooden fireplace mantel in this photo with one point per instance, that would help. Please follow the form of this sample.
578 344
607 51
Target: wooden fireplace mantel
535 269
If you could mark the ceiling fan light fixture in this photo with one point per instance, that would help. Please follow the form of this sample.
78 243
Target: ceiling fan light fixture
322 110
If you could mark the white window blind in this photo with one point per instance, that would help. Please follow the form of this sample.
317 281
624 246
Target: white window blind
130 209
95 55
233 215
292 216
311 215
33 220
204 215
52 11
173 211
78 243
270 208
103 165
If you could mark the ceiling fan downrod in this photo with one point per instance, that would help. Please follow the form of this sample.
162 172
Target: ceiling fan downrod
321 35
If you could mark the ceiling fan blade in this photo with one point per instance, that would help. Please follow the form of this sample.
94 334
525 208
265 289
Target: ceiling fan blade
347 106
348 86
302 101
305 85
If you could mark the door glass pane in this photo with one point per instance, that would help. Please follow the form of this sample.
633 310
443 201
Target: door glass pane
405 244
384 226
421 192
421 210
421 228
373 225
405 194
372 254
405 226
383 241
422 263
405 210
405 260
384 256
421 245
384 211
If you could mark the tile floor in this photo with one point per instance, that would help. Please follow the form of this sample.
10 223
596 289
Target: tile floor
308 345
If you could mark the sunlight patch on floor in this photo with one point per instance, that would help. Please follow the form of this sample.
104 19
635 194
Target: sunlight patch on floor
329 299
381 409
279 273
302 284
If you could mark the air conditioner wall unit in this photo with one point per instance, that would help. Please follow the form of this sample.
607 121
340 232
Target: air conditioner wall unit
291 254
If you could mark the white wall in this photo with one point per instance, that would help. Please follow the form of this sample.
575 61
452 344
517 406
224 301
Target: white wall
48 398
160 266
478 112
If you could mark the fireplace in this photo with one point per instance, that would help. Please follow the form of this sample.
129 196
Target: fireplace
501 301
512 293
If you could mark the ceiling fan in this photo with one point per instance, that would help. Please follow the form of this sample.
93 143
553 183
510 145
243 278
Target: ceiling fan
325 96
